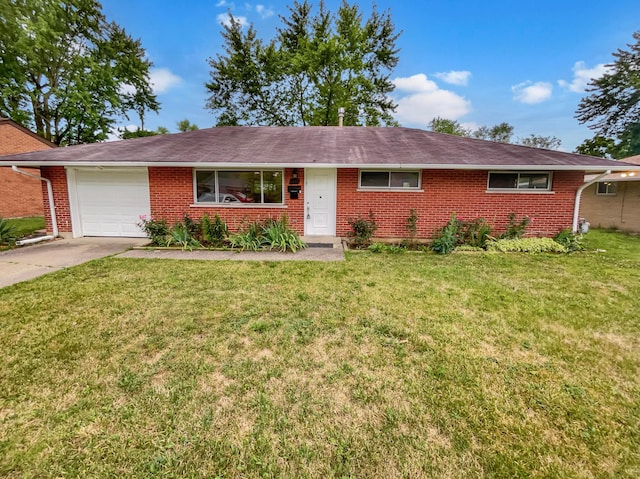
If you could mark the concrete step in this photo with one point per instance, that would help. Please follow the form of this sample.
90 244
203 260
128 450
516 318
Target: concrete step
322 241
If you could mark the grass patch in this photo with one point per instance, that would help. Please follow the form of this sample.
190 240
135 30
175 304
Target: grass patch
480 365
26 226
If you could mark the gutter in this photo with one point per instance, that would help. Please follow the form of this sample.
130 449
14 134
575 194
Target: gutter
52 208
576 206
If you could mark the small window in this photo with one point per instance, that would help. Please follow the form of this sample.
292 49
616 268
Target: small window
607 188
519 181
390 179
241 187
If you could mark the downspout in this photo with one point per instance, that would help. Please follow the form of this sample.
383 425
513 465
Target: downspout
52 208
576 207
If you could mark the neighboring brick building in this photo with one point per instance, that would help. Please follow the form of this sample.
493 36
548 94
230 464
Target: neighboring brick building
320 177
19 194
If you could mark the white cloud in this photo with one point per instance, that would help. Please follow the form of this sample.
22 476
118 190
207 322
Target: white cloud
425 100
223 3
454 77
225 19
116 132
264 12
531 93
162 80
583 75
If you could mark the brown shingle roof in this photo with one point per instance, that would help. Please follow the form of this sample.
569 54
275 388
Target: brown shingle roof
313 146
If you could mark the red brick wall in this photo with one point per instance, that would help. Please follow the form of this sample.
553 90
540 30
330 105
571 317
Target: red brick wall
58 177
445 192
171 191
462 192
19 194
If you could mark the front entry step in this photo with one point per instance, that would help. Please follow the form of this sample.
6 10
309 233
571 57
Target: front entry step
322 241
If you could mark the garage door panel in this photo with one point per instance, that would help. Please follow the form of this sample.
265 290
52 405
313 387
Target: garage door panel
110 203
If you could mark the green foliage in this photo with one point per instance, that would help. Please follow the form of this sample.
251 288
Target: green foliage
412 228
448 237
501 133
570 240
539 141
526 245
7 232
450 127
67 72
26 226
386 248
597 146
186 125
181 235
138 133
362 230
192 226
316 63
516 228
156 230
214 232
475 233
267 234
612 108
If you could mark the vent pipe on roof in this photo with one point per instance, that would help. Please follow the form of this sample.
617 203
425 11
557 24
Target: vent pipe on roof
340 116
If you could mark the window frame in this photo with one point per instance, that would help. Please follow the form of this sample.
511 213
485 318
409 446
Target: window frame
238 204
389 187
548 189
608 185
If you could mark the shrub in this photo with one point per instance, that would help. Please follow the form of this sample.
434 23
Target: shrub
270 233
515 229
214 232
526 245
192 226
448 237
412 227
570 240
362 230
278 235
476 233
181 236
156 230
7 232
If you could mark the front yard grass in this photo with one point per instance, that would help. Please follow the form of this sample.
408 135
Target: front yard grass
27 225
484 365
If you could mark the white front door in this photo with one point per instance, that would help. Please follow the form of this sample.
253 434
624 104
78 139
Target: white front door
320 201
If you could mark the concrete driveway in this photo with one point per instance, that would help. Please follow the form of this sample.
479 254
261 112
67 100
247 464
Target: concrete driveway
29 262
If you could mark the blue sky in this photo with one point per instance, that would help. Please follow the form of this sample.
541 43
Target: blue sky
480 63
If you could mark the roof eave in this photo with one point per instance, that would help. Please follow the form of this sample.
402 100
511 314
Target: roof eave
386 166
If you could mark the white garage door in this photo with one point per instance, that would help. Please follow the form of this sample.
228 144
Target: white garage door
110 203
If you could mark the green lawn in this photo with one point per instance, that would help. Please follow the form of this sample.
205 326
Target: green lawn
26 226
409 365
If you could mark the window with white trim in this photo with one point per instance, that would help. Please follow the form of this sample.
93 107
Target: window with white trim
239 187
391 179
516 180
607 188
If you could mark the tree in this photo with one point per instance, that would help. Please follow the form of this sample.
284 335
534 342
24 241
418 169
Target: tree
613 105
68 73
186 125
597 146
501 132
539 141
315 64
451 127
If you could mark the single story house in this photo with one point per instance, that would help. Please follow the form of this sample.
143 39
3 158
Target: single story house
614 201
20 195
319 176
